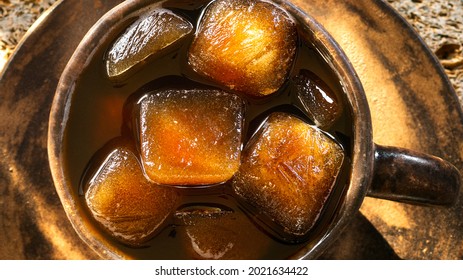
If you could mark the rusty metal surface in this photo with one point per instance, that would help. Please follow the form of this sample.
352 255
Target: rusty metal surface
412 104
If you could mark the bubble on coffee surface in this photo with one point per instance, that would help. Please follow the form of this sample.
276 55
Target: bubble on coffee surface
317 98
247 46
288 170
124 202
146 37
217 232
190 137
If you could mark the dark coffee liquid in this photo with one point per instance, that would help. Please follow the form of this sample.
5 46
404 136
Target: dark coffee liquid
97 115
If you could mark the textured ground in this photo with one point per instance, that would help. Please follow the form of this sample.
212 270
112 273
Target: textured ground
16 16
440 24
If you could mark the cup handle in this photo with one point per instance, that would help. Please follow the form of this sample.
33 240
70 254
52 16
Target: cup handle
408 176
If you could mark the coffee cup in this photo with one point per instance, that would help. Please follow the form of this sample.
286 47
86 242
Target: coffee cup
378 171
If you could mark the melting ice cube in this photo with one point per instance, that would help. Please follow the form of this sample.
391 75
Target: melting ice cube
248 46
288 170
218 233
317 98
190 137
124 202
146 37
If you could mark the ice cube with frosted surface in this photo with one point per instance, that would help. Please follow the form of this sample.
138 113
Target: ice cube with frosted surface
317 98
146 37
215 232
288 170
124 202
190 137
246 45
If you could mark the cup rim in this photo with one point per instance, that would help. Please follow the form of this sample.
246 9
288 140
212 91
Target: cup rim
363 147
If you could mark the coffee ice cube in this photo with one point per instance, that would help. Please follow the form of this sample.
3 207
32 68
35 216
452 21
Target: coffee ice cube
124 202
317 98
216 232
146 37
247 46
190 137
288 171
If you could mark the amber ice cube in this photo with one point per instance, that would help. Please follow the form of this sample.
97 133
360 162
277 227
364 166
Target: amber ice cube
145 38
216 232
317 98
190 137
288 171
245 45
124 202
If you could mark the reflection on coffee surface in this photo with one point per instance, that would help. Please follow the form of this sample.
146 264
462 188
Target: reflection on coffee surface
212 130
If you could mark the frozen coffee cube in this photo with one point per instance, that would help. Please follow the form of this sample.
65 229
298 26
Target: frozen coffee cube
210 232
288 170
124 202
146 37
245 45
190 137
317 98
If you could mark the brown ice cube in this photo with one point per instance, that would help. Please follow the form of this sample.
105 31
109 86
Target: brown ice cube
146 37
190 137
288 171
124 202
215 232
246 45
317 98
